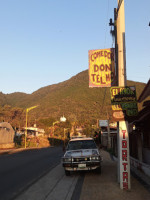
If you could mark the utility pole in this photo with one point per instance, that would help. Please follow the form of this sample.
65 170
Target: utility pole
123 137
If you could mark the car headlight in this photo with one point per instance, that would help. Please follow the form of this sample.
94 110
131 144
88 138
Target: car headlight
95 158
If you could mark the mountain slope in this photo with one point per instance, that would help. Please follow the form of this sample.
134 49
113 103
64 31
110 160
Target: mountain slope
73 98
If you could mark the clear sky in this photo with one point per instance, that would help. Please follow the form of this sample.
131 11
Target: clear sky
43 42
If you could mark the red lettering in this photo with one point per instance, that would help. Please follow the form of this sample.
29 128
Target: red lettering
102 81
125 166
95 68
125 176
109 55
95 55
124 155
105 53
124 144
92 58
107 77
125 185
124 136
98 79
108 68
102 67
93 77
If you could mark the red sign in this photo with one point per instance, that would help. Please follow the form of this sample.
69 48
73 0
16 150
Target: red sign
124 161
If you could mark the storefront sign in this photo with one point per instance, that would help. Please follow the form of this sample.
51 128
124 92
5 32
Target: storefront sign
124 158
123 94
124 161
102 68
124 104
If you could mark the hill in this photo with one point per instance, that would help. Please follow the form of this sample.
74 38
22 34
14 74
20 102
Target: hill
73 98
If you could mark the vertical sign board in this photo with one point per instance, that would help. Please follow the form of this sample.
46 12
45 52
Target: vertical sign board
124 157
102 68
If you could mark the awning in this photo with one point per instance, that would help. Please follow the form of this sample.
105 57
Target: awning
143 115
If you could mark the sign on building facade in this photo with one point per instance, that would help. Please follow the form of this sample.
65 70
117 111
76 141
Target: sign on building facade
124 102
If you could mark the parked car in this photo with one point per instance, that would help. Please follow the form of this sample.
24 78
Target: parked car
81 154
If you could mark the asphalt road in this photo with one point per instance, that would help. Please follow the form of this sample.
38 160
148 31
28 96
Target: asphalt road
84 185
20 170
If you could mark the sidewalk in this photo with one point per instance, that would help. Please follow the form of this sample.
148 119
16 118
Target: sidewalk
105 187
53 186
56 186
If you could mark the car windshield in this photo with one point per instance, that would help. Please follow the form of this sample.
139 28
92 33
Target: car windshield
81 144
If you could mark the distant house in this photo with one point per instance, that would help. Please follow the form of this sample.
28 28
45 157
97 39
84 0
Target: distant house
113 137
34 131
7 134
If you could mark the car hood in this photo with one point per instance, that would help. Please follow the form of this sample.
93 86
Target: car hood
82 153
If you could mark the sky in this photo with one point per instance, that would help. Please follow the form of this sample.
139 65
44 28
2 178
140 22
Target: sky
44 42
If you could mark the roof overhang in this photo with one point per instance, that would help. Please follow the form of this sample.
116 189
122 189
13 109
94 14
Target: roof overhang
145 93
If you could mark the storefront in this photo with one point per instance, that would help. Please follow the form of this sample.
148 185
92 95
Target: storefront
140 135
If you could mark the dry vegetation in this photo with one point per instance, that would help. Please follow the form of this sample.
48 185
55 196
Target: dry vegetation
73 98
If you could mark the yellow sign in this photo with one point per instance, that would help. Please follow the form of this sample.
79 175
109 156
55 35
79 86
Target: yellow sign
101 68
116 107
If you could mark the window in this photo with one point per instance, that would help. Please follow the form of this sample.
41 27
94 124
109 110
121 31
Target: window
81 144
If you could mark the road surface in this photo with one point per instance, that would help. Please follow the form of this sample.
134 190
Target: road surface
54 185
84 186
19 170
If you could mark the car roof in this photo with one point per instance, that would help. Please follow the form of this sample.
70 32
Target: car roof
80 139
